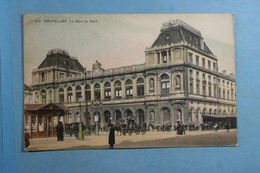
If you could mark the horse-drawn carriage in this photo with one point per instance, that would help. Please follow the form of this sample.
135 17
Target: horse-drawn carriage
165 127
128 126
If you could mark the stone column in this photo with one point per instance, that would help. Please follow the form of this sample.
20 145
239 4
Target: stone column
134 87
171 55
112 90
73 94
82 93
155 55
123 88
168 56
65 95
92 91
101 90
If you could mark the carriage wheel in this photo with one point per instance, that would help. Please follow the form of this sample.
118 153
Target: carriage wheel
137 132
143 131
124 132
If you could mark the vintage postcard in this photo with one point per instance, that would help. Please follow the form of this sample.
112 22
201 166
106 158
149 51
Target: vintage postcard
121 81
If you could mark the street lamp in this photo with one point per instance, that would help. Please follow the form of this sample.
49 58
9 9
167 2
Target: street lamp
80 134
96 104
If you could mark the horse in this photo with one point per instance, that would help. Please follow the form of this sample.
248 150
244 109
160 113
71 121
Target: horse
118 129
153 127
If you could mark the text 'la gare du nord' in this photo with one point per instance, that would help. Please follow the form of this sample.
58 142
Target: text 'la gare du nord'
64 21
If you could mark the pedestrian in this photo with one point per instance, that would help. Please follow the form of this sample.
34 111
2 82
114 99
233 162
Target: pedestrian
59 130
26 138
179 131
182 129
227 126
111 138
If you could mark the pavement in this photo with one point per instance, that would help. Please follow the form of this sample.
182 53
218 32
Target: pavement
148 140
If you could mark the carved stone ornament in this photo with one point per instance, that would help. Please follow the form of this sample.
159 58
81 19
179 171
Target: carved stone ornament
97 66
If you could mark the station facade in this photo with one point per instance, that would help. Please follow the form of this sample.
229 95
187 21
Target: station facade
179 81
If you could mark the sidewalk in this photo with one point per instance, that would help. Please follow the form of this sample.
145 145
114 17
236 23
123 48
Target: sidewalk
101 141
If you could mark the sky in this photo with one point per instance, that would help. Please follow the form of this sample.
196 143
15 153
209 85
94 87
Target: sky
117 40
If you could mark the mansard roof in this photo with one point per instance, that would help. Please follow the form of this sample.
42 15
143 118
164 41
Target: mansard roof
177 31
61 58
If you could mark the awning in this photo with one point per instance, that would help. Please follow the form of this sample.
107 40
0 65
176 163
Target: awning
219 116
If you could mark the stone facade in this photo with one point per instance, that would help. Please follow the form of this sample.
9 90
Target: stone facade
179 81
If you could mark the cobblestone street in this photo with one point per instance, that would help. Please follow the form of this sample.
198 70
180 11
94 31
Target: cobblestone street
148 140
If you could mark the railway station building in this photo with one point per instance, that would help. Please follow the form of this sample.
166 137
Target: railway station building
179 81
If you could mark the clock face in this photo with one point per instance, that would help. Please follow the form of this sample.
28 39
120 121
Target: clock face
167 37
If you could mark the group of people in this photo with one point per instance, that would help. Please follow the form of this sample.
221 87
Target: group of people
180 129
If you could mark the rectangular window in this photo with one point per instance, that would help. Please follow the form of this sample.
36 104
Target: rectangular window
197 60
209 91
204 90
190 58
197 75
198 89
191 73
214 67
203 63
191 87
209 65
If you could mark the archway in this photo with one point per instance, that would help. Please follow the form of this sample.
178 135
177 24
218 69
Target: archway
166 116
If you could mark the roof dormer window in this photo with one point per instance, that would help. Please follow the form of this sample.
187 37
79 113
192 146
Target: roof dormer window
167 37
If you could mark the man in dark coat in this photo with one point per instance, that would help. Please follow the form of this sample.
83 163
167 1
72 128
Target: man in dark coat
111 138
26 138
59 130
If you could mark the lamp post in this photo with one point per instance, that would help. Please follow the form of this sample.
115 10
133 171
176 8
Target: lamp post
96 104
80 134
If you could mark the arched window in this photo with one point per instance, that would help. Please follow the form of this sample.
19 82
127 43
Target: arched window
97 91
87 92
165 84
61 95
77 117
129 117
107 88
69 94
140 114
129 88
78 93
140 87
118 116
43 94
107 116
118 89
